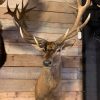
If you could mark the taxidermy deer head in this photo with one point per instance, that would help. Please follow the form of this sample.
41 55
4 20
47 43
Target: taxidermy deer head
2 48
49 47
50 75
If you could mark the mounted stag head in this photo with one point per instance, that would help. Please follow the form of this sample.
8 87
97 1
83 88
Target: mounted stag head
50 75
49 47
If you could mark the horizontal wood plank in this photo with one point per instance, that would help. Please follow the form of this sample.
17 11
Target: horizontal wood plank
8 24
72 85
15 37
21 48
36 27
72 62
29 85
32 98
45 5
51 17
15 60
44 30
16 94
16 85
71 96
34 72
38 16
23 60
49 20
30 95
25 48
70 1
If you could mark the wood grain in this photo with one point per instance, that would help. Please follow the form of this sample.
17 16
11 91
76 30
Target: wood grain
8 85
51 17
36 27
16 85
25 48
49 20
30 95
7 23
15 37
34 72
47 5
25 60
43 16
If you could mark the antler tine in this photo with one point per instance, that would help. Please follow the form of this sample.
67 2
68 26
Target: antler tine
85 23
9 11
81 10
19 20
98 5
24 8
78 3
88 2
76 26
22 5
13 13
16 8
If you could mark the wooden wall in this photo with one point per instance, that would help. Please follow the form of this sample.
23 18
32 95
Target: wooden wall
49 20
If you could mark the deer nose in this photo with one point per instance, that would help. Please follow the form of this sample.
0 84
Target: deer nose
46 63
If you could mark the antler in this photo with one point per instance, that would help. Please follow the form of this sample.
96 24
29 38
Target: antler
76 27
48 47
98 5
19 18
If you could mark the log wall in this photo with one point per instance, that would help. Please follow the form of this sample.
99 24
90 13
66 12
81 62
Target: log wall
49 20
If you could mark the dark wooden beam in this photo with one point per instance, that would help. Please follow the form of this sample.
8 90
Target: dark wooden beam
89 62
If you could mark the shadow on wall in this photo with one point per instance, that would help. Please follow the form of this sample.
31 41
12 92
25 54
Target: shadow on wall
13 31
35 15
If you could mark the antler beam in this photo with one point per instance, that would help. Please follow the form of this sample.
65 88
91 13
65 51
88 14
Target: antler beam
76 27
19 18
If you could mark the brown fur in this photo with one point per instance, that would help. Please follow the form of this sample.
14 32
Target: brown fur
48 81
